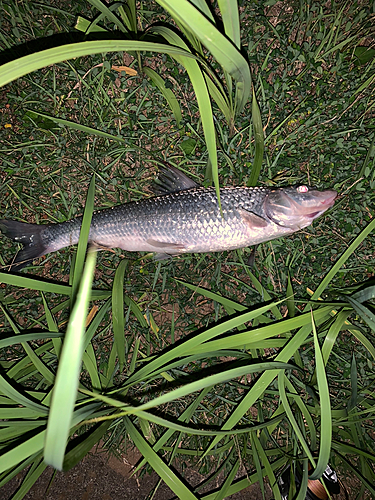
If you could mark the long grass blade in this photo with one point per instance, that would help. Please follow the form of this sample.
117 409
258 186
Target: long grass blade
162 469
259 143
203 98
341 261
83 238
67 378
223 50
18 453
290 414
82 447
364 312
325 405
167 93
118 318
22 66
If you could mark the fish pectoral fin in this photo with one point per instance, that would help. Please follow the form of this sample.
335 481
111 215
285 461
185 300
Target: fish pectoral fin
252 220
98 246
166 246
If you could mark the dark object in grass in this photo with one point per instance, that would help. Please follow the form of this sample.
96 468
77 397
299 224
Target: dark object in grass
315 488
251 259
184 218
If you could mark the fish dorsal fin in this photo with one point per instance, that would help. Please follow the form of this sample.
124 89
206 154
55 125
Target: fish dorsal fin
171 180
252 220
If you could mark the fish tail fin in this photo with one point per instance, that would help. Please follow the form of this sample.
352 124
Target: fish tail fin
31 237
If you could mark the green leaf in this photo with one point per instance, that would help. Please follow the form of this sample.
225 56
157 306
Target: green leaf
106 11
222 49
20 452
188 145
167 93
212 380
21 398
364 312
203 98
65 391
341 261
326 416
161 468
22 66
83 238
259 143
290 300
31 477
364 55
83 24
118 312
80 449
230 14
290 414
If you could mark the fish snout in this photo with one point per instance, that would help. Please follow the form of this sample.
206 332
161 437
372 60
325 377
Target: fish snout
328 197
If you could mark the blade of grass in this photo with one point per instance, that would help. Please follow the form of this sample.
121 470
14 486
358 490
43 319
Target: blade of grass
167 93
21 398
290 298
67 378
344 257
47 286
52 326
118 319
203 98
106 11
263 382
268 468
83 238
22 66
18 454
259 143
364 312
213 380
325 405
31 477
291 418
222 494
167 475
81 448
224 51
180 350
28 337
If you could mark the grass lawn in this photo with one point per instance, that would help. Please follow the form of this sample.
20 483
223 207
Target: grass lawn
242 370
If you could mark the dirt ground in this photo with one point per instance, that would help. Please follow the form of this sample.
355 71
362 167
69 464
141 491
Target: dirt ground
99 477
102 477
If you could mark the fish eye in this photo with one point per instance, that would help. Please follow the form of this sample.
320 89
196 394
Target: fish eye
302 189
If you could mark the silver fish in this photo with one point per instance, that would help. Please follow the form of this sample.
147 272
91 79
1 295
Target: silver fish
183 218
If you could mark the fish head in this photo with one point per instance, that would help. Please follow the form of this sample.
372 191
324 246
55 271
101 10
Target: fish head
296 207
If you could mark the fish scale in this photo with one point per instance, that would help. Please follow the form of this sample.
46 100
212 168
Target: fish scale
183 221
182 218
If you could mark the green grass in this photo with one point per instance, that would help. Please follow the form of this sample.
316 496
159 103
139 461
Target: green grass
200 359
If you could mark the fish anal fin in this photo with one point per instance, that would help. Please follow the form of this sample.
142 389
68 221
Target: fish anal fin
162 256
252 220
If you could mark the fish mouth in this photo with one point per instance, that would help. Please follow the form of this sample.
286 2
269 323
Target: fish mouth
327 203
313 215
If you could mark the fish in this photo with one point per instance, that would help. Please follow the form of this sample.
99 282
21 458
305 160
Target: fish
182 217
